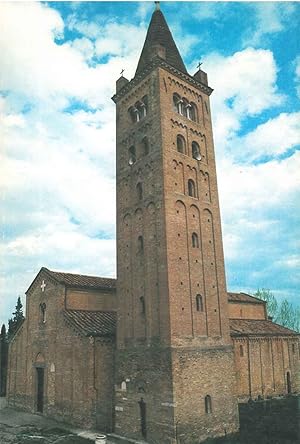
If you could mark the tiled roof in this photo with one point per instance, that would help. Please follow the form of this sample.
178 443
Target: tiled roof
92 323
244 297
255 327
80 280
159 34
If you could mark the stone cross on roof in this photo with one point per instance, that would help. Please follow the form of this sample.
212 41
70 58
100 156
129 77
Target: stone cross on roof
43 285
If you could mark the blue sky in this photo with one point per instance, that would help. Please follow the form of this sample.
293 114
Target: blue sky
59 64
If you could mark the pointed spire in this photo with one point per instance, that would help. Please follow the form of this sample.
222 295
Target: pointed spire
159 41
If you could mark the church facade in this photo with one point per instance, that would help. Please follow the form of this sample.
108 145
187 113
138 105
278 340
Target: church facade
163 353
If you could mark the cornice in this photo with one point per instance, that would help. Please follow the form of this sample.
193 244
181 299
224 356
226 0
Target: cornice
155 63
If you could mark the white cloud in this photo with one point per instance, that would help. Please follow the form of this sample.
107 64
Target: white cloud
273 137
271 17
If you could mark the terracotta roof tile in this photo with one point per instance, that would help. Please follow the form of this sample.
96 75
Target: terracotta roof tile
92 323
80 280
241 327
244 297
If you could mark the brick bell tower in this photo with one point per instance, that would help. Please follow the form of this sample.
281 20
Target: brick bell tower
174 361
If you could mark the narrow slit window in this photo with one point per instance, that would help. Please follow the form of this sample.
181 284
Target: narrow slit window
43 312
208 404
139 189
241 351
199 302
143 306
195 240
140 244
191 188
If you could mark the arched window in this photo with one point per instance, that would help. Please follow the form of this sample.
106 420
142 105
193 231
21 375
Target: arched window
199 302
143 306
196 151
43 312
139 110
145 146
140 244
131 155
180 144
241 351
139 190
177 104
208 405
191 188
195 240
193 112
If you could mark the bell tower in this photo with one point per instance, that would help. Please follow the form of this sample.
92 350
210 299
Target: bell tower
174 366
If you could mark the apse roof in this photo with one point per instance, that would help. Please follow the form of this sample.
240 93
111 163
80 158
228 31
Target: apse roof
159 34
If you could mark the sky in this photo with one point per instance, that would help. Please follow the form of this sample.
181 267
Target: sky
58 68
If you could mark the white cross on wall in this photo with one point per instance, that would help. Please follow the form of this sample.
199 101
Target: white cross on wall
43 286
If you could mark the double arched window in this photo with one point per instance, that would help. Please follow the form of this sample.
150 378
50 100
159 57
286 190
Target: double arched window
185 108
191 188
139 110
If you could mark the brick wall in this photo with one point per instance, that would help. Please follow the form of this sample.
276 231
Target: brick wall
246 311
262 365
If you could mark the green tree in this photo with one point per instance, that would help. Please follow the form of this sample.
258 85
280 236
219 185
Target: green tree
17 318
283 313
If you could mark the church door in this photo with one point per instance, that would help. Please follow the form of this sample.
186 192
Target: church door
40 389
143 418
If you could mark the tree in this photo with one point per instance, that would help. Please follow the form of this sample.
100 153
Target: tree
17 318
3 360
283 313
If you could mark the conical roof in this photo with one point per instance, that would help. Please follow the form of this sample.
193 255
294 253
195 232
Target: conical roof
159 34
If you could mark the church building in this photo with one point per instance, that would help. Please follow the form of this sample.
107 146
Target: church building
163 353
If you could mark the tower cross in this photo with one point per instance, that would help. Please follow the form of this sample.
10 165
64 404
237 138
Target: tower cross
43 285
199 64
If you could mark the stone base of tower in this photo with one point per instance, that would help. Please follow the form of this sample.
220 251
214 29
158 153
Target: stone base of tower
144 408
204 393
170 396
